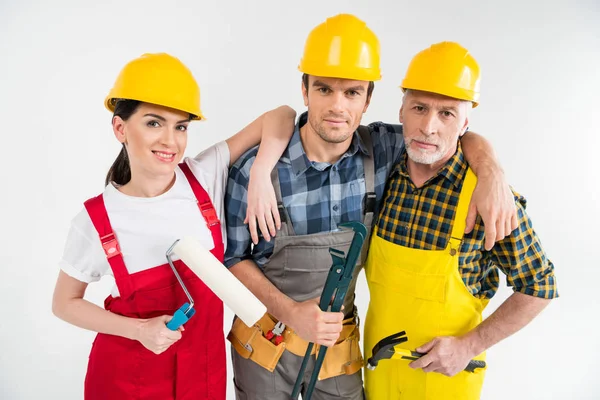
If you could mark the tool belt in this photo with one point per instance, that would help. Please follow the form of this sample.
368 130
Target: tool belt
343 358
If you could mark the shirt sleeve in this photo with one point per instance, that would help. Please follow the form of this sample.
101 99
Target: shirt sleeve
521 258
239 242
214 161
238 235
388 141
83 257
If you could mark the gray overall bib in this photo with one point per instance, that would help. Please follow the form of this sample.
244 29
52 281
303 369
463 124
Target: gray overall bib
298 267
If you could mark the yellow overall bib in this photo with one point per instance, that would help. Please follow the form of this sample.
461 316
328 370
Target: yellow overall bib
421 292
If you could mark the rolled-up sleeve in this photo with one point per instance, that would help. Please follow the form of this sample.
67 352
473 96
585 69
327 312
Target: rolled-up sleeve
522 259
238 236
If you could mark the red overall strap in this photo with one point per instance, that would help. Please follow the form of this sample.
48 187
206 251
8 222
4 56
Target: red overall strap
207 209
97 212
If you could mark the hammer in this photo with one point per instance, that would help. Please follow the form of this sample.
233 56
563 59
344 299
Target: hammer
385 350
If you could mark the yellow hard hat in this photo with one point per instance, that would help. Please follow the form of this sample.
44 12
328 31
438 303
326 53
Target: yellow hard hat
342 47
445 68
159 79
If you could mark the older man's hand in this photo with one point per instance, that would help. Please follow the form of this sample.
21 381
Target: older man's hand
446 355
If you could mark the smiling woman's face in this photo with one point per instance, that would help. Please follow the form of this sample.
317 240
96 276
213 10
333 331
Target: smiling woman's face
155 137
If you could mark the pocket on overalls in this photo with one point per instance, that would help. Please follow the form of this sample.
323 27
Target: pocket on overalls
201 370
306 269
113 367
431 287
160 301
217 369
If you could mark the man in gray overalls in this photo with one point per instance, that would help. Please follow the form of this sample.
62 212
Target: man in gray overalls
333 171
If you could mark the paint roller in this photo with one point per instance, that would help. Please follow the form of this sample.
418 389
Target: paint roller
218 278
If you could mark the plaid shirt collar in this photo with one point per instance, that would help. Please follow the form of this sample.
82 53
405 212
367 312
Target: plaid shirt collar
454 169
296 156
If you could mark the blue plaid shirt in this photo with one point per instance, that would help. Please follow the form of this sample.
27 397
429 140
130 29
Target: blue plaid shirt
318 196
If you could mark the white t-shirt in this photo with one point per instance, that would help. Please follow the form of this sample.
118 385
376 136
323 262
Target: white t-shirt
146 227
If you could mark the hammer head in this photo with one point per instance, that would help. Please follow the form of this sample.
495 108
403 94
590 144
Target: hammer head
384 349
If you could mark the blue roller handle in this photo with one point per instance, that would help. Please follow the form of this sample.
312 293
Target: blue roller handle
180 317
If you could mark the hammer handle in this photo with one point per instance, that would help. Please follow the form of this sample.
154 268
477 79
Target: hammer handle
471 367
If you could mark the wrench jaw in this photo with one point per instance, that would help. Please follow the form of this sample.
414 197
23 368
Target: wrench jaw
384 349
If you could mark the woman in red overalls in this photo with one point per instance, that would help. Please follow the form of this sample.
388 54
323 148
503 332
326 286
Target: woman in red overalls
150 200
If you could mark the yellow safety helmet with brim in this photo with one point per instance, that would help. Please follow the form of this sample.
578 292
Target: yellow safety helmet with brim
160 79
445 68
342 47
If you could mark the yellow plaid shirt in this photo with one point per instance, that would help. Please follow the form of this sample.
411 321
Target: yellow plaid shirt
421 218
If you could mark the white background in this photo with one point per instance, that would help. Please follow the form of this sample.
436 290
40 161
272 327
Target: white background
539 108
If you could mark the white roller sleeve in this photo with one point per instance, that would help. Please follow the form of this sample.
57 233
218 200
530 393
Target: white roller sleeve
223 283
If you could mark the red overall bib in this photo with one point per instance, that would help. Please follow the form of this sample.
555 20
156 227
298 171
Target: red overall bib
194 367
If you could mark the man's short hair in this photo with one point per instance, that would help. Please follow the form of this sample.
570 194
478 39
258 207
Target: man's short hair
369 89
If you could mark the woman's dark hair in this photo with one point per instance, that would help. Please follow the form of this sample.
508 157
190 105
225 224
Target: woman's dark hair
120 172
